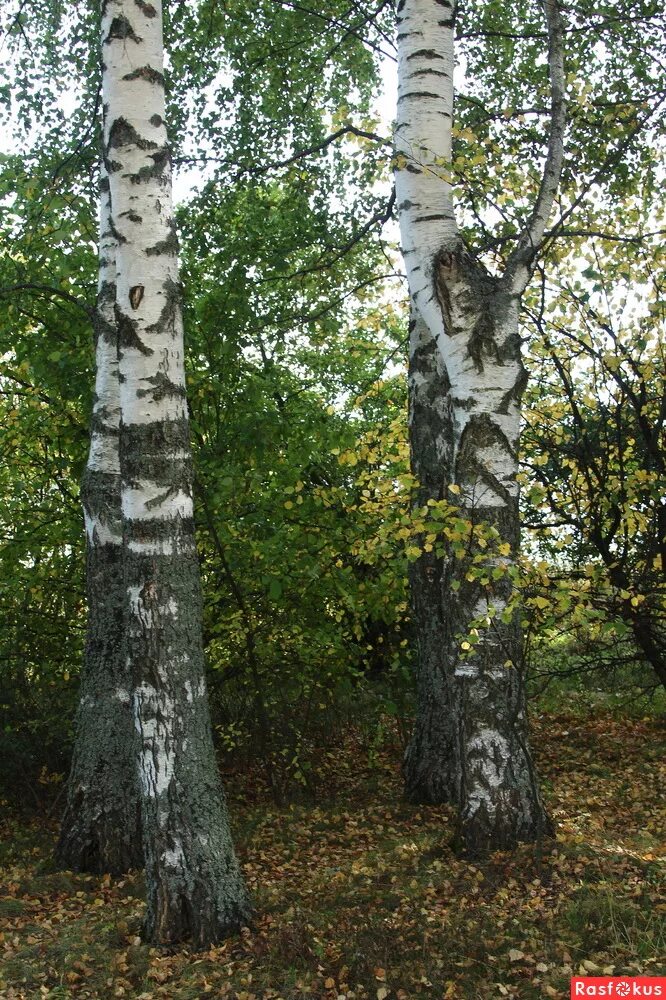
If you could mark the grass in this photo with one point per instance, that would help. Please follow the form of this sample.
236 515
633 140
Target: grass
361 893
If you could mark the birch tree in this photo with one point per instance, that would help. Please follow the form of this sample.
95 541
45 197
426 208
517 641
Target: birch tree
195 887
466 381
100 829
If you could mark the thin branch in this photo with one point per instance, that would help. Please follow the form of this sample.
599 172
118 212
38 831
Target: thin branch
299 154
381 217
518 267
337 24
49 290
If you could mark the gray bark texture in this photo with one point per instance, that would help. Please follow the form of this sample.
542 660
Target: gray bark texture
100 829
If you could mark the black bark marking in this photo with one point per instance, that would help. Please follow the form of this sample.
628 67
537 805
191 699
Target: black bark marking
482 340
156 120
121 29
122 134
146 8
429 764
162 437
117 235
515 392
161 161
146 73
128 335
166 246
175 486
171 309
425 54
419 93
99 424
439 217
162 387
429 71
464 404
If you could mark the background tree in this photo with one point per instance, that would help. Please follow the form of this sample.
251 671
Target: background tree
595 457
495 166
466 379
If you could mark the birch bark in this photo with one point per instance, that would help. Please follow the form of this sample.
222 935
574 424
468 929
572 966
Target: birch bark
100 829
195 887
466 380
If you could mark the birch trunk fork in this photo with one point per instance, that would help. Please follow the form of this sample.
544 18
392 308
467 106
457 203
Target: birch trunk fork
195 887
466 380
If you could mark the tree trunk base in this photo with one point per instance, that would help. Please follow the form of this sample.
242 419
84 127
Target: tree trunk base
106 843
427 774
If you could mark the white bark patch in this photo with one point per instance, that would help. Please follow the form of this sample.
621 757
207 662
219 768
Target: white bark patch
490 753
197 692
162 547
100 532
464 669
174 857
104 454
150 501
154 719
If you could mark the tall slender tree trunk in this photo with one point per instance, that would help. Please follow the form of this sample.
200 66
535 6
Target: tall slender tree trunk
100 829
195 887
466 380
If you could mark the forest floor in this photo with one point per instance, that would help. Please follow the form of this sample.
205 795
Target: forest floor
360 895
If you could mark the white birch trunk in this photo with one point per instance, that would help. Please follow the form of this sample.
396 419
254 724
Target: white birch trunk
466 380
194 882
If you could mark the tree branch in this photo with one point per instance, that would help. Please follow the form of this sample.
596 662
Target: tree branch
49 290
518 267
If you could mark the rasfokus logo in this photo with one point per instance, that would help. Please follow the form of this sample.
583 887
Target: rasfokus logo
621 986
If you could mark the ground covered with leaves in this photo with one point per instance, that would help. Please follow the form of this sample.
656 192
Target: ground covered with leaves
361 896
